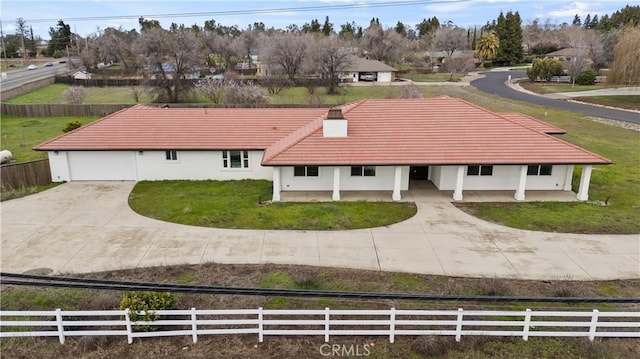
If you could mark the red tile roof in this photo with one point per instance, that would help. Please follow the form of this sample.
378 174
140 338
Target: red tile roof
432 131
145 128
533 123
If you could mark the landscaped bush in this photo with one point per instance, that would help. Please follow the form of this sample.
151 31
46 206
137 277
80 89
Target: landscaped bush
147 302
71 126
544 69
75 94
587 77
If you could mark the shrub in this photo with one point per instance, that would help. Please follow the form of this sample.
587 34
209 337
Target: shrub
71 126
544 69
147 302
75 94
587 77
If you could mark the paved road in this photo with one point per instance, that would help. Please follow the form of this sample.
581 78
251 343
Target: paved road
494 83
81 227
17 78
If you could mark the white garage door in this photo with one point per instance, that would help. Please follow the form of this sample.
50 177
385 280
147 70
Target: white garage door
102 166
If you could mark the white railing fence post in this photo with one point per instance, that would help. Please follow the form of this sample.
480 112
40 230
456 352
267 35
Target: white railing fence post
194 325
127 320
392 325
527 325
459 325
60 326
326 324
594 325
260 325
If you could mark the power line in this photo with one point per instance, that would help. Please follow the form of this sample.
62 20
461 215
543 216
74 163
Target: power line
71 282
254 11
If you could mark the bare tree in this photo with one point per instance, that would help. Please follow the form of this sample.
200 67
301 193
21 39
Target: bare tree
211 89
118 45
626 62
459 64
448 39
170 57
579 60
285 53
328 59
383 45
21 31
75 94
244 94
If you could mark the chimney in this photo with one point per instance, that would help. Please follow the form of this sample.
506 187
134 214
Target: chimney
335 125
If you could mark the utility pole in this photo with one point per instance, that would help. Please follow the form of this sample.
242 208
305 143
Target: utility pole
4 48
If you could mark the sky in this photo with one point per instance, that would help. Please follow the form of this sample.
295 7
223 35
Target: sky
87 17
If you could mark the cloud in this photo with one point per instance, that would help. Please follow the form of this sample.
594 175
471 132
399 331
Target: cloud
576 7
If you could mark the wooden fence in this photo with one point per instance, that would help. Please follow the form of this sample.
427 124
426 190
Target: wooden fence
24 174
326 323
47 110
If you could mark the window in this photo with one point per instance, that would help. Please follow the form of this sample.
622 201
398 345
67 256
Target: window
171 155
305 171
482 170
367 171
235 159
539 170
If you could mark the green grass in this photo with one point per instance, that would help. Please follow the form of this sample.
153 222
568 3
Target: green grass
26 191
21 134
545 87
435 77
235 204
630 102
300 95
95 95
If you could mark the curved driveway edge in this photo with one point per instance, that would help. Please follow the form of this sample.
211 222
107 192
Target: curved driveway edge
81 227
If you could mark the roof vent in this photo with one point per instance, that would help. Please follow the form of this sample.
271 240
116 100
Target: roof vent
335 125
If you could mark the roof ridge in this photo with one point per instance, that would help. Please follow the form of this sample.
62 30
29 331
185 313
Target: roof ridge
88 125
291 139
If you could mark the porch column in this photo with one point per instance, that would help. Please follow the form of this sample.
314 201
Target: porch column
457 194
336 184
568 178
276 184
583 192
522 184
396 184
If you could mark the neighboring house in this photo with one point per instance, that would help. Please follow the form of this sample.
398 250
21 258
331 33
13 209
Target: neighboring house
170 69
82 75
439 58
565 54
370 145
359 69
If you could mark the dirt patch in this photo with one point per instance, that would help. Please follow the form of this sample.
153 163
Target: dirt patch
285 276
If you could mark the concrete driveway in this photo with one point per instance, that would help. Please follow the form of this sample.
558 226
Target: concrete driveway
87 227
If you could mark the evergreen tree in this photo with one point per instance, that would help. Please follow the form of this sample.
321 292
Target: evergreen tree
587 21
509 31
327 28
60 38
576 20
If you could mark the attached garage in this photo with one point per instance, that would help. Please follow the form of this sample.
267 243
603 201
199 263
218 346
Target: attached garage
101 165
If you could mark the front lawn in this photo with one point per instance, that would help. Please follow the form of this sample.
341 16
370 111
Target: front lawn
241 204
551 87
630 102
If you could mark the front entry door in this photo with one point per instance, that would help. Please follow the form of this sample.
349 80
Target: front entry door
420 173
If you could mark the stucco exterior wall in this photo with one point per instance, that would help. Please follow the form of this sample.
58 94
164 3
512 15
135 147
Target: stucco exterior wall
382 181
503 178
150 165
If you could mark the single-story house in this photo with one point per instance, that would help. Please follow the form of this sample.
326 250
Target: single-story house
82 75
369 145
360 69
439 58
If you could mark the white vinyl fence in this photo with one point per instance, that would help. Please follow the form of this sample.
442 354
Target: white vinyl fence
264 322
